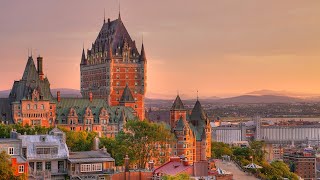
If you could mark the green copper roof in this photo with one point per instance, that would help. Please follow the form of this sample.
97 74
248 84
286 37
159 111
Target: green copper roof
177 105
81 104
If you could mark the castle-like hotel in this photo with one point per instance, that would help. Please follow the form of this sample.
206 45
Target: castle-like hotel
113 86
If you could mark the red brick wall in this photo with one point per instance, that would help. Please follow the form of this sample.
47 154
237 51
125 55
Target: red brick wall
132 176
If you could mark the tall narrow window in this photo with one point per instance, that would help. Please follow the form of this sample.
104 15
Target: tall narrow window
11 151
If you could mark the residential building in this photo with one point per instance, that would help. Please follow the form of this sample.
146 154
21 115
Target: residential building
301 162
94 164
114 64
12 146
46 154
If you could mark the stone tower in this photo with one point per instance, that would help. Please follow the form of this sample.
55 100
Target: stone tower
112 64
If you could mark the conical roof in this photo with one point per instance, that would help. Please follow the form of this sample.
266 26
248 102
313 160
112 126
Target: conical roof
177 105
142 54
197 112
127 95
83 57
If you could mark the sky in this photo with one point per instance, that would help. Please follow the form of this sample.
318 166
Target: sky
220 48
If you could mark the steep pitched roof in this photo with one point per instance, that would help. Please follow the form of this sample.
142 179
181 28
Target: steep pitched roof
5 109
116 32
197 112
177 105
30 71
127 95
30 81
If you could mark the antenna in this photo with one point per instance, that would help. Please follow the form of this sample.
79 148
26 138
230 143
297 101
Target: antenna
197 95
119 9
104 15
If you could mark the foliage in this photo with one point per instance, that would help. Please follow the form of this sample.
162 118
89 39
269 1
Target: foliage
141 140
79 140
273 171
182 176
218 149
6 129
6 170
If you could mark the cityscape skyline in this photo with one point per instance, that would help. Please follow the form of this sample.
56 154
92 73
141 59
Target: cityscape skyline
277 50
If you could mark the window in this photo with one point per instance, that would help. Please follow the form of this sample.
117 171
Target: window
48 166
118 70
50 107
21 168
136 83
42 106
11 151
28 106
60 166
39 166
35 106
91 167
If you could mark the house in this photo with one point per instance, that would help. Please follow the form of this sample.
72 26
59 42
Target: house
12 147
96 164
46 154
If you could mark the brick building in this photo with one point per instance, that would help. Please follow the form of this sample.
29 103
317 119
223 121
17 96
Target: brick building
113 67
301 162
31 102
193 131
30 98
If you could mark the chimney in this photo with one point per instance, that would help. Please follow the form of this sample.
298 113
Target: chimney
58 96
40 67
96 144
90 96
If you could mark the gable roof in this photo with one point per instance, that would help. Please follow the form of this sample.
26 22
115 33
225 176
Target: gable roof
127 95
177 105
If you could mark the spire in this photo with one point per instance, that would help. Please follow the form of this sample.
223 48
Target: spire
119 16
143 54
197 112
83 57
104 15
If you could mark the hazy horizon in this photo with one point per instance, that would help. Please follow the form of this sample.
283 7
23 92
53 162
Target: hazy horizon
219 48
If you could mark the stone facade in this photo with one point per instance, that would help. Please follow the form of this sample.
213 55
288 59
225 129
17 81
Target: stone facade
112 64
192 131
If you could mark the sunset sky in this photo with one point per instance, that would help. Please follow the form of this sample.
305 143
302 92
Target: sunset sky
221 48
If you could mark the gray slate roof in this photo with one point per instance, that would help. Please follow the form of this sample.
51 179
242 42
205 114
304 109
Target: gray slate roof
89 156
33 141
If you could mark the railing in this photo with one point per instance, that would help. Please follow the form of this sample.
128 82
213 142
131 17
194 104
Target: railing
37 174
105 171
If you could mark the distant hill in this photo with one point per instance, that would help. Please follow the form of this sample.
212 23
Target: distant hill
65 92
249 99
282 93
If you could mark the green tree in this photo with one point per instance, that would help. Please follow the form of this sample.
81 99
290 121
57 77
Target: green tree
141 140
219 149
79 140
6 170
182 176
